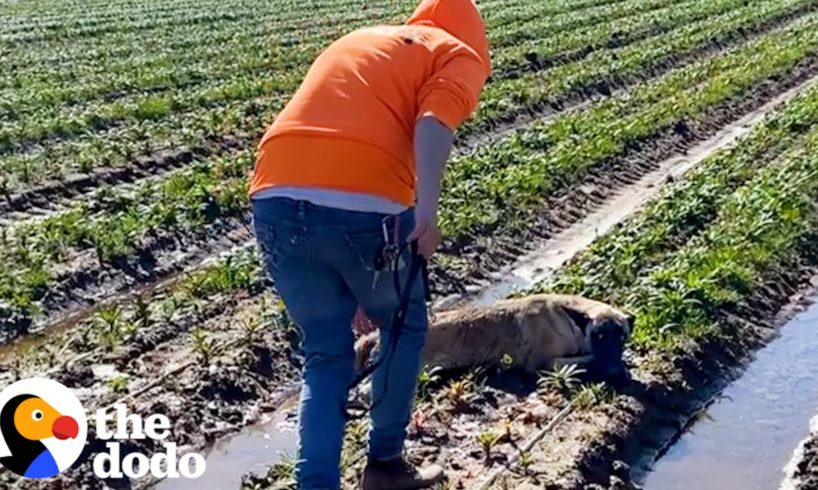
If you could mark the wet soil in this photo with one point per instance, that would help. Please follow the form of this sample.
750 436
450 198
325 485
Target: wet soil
207 388
804 472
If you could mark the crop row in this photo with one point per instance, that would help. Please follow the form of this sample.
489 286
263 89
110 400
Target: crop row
499 183
696 251
291 11
605 69
250 54
233 113
114 223
225 12
211 56
273 14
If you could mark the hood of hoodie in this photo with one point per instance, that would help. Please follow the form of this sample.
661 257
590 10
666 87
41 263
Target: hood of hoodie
460 18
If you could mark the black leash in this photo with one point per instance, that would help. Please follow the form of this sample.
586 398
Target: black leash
418 266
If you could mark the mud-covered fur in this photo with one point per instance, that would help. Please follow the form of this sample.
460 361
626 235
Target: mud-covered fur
534 331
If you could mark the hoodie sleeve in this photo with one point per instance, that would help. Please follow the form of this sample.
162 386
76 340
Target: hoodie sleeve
453 90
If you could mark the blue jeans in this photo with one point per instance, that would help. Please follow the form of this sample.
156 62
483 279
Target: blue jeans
321 262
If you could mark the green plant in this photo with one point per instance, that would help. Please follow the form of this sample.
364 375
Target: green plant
487 441
426 378
460 393
525 461
591 395
562 380
207 348
109 322
141 312
250 328
282 473
119 384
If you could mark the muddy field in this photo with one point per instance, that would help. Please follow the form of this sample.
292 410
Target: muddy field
187 324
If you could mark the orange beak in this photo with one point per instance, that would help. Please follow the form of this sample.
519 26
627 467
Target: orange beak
65 428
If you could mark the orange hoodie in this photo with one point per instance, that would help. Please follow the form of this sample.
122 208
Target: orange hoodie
350 125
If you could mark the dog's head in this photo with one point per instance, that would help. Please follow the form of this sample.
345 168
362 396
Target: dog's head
606 331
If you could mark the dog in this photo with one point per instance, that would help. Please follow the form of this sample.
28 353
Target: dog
531 333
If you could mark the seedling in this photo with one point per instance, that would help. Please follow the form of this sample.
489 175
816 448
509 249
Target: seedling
478 379
591 395
110 322
119 384
563 380
525 461
460 393
427 377
282 473
141 312
250 330
487 441
207 348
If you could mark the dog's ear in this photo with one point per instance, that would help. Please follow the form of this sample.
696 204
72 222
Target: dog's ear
580 318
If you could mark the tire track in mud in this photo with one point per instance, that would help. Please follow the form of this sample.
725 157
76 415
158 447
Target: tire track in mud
54 195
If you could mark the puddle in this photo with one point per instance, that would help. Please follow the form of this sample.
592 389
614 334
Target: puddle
747 438
252 450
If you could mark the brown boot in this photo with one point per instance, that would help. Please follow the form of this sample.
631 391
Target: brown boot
398 474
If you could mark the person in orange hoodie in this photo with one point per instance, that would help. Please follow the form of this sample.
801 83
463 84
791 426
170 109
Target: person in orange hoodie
351 166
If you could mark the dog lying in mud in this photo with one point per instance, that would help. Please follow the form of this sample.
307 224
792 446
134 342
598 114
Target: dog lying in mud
536 332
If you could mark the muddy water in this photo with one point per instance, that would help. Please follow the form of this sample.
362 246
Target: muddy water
746 439
252 450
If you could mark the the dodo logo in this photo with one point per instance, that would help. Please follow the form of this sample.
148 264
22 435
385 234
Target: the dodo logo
43 428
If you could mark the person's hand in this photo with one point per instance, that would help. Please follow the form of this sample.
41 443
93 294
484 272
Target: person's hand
428 235
362 324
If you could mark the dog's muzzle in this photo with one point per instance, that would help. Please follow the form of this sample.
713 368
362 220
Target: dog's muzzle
607 364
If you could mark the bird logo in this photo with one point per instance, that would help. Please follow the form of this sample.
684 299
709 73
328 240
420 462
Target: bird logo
43 428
